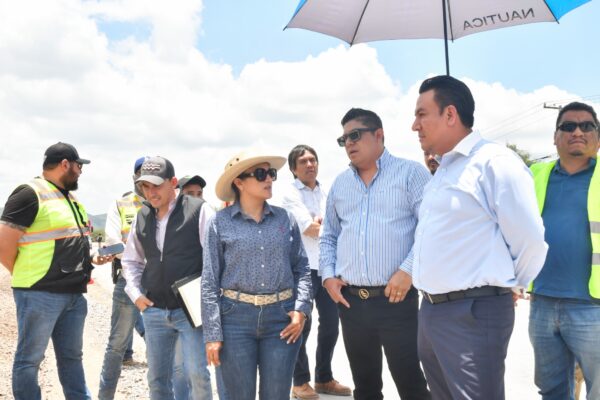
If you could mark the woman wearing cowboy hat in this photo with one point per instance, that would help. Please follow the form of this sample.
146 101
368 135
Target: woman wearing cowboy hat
255 283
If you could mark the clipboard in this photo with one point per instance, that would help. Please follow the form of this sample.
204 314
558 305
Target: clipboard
187 291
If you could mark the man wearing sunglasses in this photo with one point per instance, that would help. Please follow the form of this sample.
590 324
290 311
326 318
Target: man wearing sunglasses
44 244
564 321
479 236
368 233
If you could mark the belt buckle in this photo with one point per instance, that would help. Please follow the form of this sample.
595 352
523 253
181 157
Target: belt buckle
256 300
363 294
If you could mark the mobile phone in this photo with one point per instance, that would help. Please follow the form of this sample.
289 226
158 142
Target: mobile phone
111 250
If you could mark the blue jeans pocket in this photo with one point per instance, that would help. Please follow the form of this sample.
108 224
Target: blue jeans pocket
228 305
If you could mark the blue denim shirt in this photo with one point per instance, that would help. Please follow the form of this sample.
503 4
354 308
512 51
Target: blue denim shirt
255 258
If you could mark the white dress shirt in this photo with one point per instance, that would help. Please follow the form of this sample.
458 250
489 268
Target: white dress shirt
134 258
479 222
305 204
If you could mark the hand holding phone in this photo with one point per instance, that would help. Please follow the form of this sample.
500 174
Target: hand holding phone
111 250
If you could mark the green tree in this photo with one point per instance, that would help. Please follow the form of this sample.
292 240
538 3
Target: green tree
525 155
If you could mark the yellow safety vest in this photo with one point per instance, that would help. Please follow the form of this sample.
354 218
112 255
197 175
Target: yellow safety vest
541 175
128 207
54 221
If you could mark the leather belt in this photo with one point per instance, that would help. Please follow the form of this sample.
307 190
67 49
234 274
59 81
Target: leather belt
258 299
464 294
366 292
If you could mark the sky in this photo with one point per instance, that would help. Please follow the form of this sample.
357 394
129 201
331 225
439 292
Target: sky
197 81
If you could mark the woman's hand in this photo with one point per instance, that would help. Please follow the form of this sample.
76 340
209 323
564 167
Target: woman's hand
212 353
294 329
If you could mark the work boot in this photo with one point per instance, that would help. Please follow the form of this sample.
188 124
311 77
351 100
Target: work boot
304 392
334 388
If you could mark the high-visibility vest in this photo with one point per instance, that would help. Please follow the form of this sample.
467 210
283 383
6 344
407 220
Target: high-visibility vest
128 207
54 221
541 175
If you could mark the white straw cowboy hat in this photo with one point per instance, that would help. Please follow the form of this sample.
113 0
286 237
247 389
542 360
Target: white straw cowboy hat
238 164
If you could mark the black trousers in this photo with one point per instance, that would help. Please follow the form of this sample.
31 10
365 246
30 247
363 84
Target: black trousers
327 336
375 323
463 344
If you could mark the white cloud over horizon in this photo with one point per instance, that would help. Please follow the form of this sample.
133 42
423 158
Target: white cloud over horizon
63 79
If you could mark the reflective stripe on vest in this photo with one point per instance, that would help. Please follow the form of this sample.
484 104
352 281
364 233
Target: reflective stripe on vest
541 175
53 221
128 207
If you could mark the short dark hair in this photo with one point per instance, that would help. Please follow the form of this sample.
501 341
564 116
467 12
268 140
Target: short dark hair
367 117
577 106
450 91
299 151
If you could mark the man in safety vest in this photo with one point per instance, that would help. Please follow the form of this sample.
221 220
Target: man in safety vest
564 322
44 245
125 315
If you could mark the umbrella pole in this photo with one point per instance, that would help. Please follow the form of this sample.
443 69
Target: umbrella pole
446 37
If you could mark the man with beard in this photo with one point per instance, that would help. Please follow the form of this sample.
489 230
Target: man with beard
44 245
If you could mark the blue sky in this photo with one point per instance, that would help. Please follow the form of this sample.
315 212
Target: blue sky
524 57
124 78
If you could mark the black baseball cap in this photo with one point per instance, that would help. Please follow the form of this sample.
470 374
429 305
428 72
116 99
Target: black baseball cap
156 170
62 151
191 179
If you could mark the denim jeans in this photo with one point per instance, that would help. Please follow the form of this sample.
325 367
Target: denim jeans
122 321
41 316
327 336
163 328
563 331
250 341
139 327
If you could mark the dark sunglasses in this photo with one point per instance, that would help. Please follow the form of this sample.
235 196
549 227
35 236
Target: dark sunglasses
260 174
354 135
585 126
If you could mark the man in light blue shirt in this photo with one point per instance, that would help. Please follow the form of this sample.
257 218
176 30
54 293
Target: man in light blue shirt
479 236
368 232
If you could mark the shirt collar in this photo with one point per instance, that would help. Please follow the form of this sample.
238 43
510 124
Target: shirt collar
466 145
299 185
560 169
382 161
235 209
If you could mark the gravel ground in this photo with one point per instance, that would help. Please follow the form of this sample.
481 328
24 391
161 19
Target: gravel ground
132 384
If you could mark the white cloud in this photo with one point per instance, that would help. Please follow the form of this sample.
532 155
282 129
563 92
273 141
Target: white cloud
62 78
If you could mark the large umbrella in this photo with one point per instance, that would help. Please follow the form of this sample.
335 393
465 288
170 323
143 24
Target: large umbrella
359 21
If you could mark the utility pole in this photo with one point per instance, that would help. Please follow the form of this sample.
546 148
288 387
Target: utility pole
552 106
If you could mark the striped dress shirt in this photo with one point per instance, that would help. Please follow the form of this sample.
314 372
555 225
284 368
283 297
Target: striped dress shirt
368 231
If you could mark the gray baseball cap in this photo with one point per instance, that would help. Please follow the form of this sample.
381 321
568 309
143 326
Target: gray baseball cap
156 170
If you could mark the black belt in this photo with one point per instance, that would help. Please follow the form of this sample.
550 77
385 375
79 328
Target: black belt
464 294
365 292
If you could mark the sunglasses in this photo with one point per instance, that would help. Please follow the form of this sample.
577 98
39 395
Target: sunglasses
354 136
260 174
585 126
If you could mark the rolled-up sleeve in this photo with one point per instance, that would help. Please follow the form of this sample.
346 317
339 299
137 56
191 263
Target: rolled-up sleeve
211 287
300 270
510 190
328 240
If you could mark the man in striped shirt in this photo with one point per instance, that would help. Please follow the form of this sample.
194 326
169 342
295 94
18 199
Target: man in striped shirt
368 232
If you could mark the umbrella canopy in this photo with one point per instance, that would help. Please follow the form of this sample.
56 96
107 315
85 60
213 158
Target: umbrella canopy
359 21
